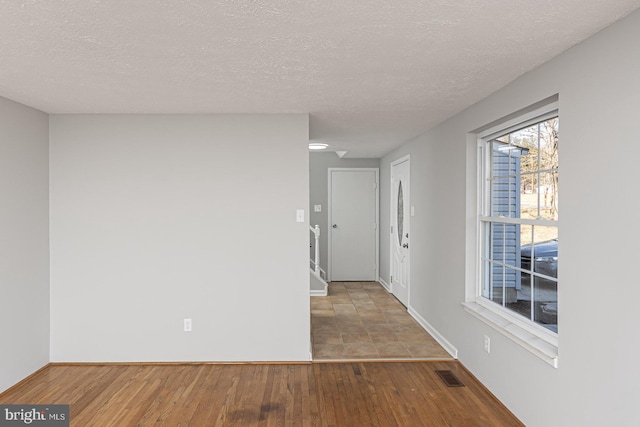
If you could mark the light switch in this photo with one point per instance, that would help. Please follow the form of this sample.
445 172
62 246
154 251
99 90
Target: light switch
317 208
300 215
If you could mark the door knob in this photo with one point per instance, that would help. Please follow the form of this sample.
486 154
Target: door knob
335 225
406 245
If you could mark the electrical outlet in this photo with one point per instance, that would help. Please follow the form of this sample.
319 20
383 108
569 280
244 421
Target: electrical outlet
187 325
487 344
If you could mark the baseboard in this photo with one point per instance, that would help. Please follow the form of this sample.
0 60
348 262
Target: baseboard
384 284
434 333
194 363
318 293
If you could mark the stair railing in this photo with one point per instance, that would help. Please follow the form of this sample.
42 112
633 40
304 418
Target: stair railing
315 262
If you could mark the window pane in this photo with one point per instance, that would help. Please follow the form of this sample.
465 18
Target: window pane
505 285
549 144
543 233
486 280
540 244
545 302
513 198
528 160
504 162
547 263
505 243
529 196
548 195
540 254
505 171
527 138
526 237
545 241
529 167
505 198
497 279
522 303
496 240
538 145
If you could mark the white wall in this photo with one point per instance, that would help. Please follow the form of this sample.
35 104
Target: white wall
157 218
597 380
319 164
24 242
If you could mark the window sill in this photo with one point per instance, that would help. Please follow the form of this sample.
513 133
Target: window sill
516 333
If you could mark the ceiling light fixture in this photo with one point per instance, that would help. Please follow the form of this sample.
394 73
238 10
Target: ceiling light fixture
317 146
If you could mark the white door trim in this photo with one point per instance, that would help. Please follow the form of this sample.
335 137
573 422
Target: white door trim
329 220
391 211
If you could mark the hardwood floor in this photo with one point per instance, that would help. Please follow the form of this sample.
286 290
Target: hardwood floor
318 394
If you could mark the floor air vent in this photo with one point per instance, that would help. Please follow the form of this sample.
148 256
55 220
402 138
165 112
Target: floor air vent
449 379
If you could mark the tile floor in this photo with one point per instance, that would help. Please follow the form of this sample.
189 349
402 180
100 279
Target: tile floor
361 320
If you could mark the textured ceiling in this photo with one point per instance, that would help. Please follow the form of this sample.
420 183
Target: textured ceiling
372 74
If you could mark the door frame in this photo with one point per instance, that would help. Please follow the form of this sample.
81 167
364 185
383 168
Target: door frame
396 162
329 220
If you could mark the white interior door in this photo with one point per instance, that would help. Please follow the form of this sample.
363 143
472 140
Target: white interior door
400 224
353 229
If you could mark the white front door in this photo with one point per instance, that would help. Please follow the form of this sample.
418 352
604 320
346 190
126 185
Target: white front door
353 214
400 213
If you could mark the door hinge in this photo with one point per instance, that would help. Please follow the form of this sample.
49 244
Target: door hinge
375 185
375 226
391 279
392 229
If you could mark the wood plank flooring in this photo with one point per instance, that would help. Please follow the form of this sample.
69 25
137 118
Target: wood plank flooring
361 320
318 394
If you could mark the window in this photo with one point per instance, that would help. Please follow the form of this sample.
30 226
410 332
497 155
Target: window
517 252
519 214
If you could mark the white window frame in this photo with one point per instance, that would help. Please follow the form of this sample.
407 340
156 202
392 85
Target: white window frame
533 337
